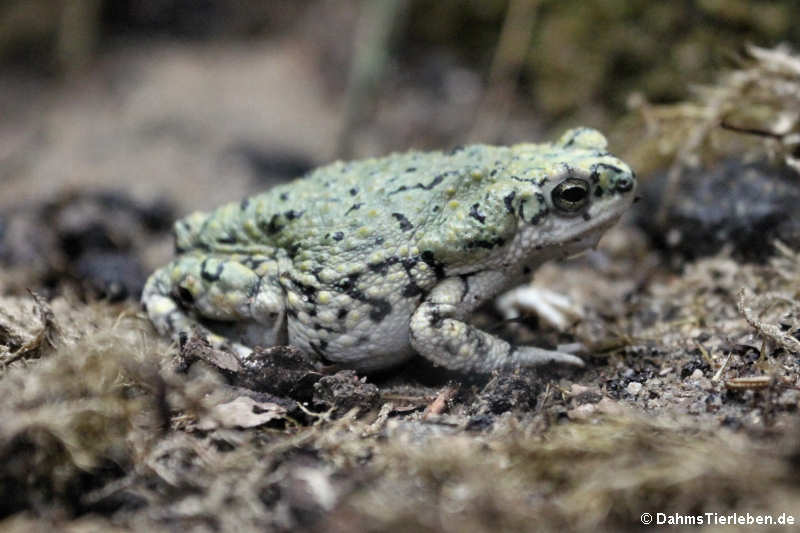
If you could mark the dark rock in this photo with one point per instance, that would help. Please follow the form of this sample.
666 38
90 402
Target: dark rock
746 205
506 392
90 239
344 390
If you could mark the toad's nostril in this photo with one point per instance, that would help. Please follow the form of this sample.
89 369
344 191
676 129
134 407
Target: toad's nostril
624 184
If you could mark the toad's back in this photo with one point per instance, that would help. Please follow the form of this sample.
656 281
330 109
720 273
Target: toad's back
345 206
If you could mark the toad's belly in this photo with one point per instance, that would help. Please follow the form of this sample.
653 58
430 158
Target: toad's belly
365 339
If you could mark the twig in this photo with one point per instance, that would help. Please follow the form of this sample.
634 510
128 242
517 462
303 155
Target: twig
439 404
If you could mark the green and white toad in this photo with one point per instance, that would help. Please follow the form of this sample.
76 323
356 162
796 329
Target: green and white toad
364 263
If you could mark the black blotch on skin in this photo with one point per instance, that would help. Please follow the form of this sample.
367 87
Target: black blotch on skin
319 348
353 191
171 322
526 270
436 318
292 214
543 209
456 149
465 282
347 285
210 276
586 215
429 259
227 239
284 196
318 326
184 296
341 314
411 290
405 225
508 201
411 169
380 309
308 291
598 192
244 204
354 207
609 167
255 289
482 243
379 241
450 348
409 263
383 267
476 340
571 140
272 227
436 181
477 215
292 250
338 236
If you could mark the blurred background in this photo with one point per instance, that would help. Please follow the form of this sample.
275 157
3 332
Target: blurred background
194 99
166 106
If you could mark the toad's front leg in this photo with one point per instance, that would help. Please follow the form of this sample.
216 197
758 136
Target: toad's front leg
440 334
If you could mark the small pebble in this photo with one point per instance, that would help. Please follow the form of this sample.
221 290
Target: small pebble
577 389
634 388
789 398
582 412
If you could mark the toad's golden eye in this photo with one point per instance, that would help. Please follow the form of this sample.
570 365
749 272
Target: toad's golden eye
571 195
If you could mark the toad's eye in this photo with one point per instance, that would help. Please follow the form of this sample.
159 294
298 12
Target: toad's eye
571 195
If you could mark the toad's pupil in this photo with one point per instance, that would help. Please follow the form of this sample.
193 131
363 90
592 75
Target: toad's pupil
574 194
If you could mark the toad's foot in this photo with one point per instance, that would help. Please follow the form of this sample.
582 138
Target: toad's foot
555 309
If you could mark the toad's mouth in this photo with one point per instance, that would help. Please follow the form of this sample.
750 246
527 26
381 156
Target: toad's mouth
570 240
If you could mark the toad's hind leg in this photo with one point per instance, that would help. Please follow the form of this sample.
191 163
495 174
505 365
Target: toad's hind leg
232 301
